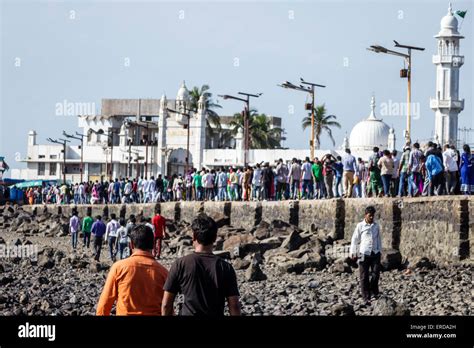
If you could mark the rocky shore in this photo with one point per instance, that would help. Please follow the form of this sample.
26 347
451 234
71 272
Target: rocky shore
281 269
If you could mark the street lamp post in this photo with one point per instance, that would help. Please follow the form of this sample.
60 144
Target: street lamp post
63 143
246 119
146 126
404 73
309 88
110 135
188 126
81 138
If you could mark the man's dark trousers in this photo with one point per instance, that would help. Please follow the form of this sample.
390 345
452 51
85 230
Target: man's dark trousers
97 247
369 268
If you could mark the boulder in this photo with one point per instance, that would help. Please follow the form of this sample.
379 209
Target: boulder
391 259
314 260
342 309
293 241
261 231
240 264
254 273
340 266
237 240
292 266
386 306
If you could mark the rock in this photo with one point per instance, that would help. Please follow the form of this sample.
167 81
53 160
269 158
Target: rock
293 241
254 273
223 254
220 219
313 260
387 306
240 264
237 240
24 298
97 267
261 231
250 299
6 280
340 266
342 309
45 306
313 284
43 280
45 262
423 262
391 259
298 253
2 241
292 266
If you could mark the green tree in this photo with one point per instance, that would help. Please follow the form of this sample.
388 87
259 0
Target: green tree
322 124
213 124
262 134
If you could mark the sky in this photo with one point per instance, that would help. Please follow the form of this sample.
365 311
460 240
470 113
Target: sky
56 52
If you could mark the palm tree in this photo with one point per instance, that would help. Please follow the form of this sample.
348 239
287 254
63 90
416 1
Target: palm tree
262 134
322 123
213 124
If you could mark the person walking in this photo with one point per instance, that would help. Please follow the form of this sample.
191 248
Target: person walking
159 225
318 179
306 178
136 283
295 177
86 229
414 171
282 179
122 238
450 169
349 166
74 226
434 171
257 182
366 247
386 166
205 279
98 231
467 171
403 171
111 235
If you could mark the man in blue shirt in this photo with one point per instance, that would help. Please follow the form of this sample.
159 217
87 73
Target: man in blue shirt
434 171
338 168
98 231
349 165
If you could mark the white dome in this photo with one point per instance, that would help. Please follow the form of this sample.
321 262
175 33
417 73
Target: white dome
369 133
183 93
449 24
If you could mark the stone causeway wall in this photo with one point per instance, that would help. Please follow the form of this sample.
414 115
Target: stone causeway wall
440 228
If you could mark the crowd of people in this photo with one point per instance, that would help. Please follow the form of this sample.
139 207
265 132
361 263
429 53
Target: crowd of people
140 285
429 171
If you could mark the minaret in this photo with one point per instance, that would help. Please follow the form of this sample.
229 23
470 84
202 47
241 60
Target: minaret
446 103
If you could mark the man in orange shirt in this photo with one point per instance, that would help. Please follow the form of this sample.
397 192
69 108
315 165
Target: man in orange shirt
136 283
159 223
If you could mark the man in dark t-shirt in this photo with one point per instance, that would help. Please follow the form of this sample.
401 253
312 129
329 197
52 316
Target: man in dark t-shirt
204 279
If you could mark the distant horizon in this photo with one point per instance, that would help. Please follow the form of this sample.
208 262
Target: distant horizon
84 52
